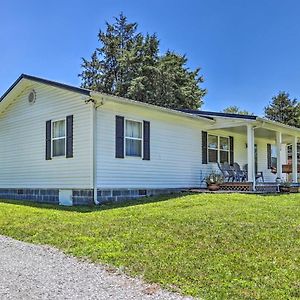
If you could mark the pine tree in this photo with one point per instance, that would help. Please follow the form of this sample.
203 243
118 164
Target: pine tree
128 64
283 109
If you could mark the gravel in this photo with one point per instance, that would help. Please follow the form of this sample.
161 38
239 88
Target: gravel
39 272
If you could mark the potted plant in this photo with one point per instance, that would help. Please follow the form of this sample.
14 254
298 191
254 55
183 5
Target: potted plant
213 181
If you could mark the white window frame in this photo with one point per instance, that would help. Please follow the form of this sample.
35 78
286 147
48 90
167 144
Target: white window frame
132 138
58 138
218 149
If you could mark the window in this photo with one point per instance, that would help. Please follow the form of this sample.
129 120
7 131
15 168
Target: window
133 138
218 149
224 149
273 156
290 153
213 146
58 138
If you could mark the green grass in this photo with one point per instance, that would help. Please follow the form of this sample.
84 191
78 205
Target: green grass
209 246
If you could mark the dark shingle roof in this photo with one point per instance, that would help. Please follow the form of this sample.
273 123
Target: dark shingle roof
218 114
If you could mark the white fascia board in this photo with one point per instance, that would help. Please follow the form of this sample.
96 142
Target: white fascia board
230 123
276 126
14 93
101 97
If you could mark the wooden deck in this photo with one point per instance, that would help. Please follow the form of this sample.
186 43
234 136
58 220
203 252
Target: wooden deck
243 187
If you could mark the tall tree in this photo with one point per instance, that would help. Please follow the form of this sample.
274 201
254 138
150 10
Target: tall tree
236 110
129 64
283 109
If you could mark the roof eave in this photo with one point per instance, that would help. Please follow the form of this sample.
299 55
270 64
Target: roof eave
113 98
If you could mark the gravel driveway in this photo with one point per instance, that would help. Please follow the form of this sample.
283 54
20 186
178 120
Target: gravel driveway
37 272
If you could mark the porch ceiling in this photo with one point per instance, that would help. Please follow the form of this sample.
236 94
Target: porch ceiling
263 128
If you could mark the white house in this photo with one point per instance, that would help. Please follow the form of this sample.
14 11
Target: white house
68 145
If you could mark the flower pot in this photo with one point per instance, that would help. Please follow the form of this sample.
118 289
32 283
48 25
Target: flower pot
213 187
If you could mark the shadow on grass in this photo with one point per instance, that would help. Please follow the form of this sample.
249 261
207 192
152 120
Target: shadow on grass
275 194
93 208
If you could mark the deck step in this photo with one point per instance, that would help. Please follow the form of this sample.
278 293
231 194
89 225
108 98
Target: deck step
267 187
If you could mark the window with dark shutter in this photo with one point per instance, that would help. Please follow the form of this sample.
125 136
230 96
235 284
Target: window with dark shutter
69 130
119 137
217 149
204 147
231 150
58 138
146 142
269 156
48 140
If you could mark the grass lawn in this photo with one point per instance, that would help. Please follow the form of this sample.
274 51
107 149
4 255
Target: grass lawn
210 246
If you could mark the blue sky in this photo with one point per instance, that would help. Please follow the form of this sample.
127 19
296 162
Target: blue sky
248 50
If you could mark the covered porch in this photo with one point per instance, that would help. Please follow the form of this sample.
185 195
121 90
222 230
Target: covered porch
265 150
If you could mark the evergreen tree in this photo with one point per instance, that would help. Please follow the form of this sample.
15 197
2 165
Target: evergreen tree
283 109
128 64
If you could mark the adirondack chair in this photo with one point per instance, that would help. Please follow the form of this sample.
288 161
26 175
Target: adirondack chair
229 169
258 174
241 175
227 173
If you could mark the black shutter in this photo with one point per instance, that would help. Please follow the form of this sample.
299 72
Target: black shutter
204 147
48 140
231 150
69 141
146 146
269 156
119 137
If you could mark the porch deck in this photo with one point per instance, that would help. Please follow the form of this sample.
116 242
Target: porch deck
261 187
247 187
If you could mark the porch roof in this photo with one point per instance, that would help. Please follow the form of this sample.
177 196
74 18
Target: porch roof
237 123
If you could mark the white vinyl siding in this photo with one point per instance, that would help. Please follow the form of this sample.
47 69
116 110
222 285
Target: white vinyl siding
175 146
22 141
176 155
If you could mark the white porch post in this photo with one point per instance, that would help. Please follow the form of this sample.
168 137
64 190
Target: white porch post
294 160
278 150
250 154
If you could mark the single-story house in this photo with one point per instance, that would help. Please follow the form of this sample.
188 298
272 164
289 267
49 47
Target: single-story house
69 145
